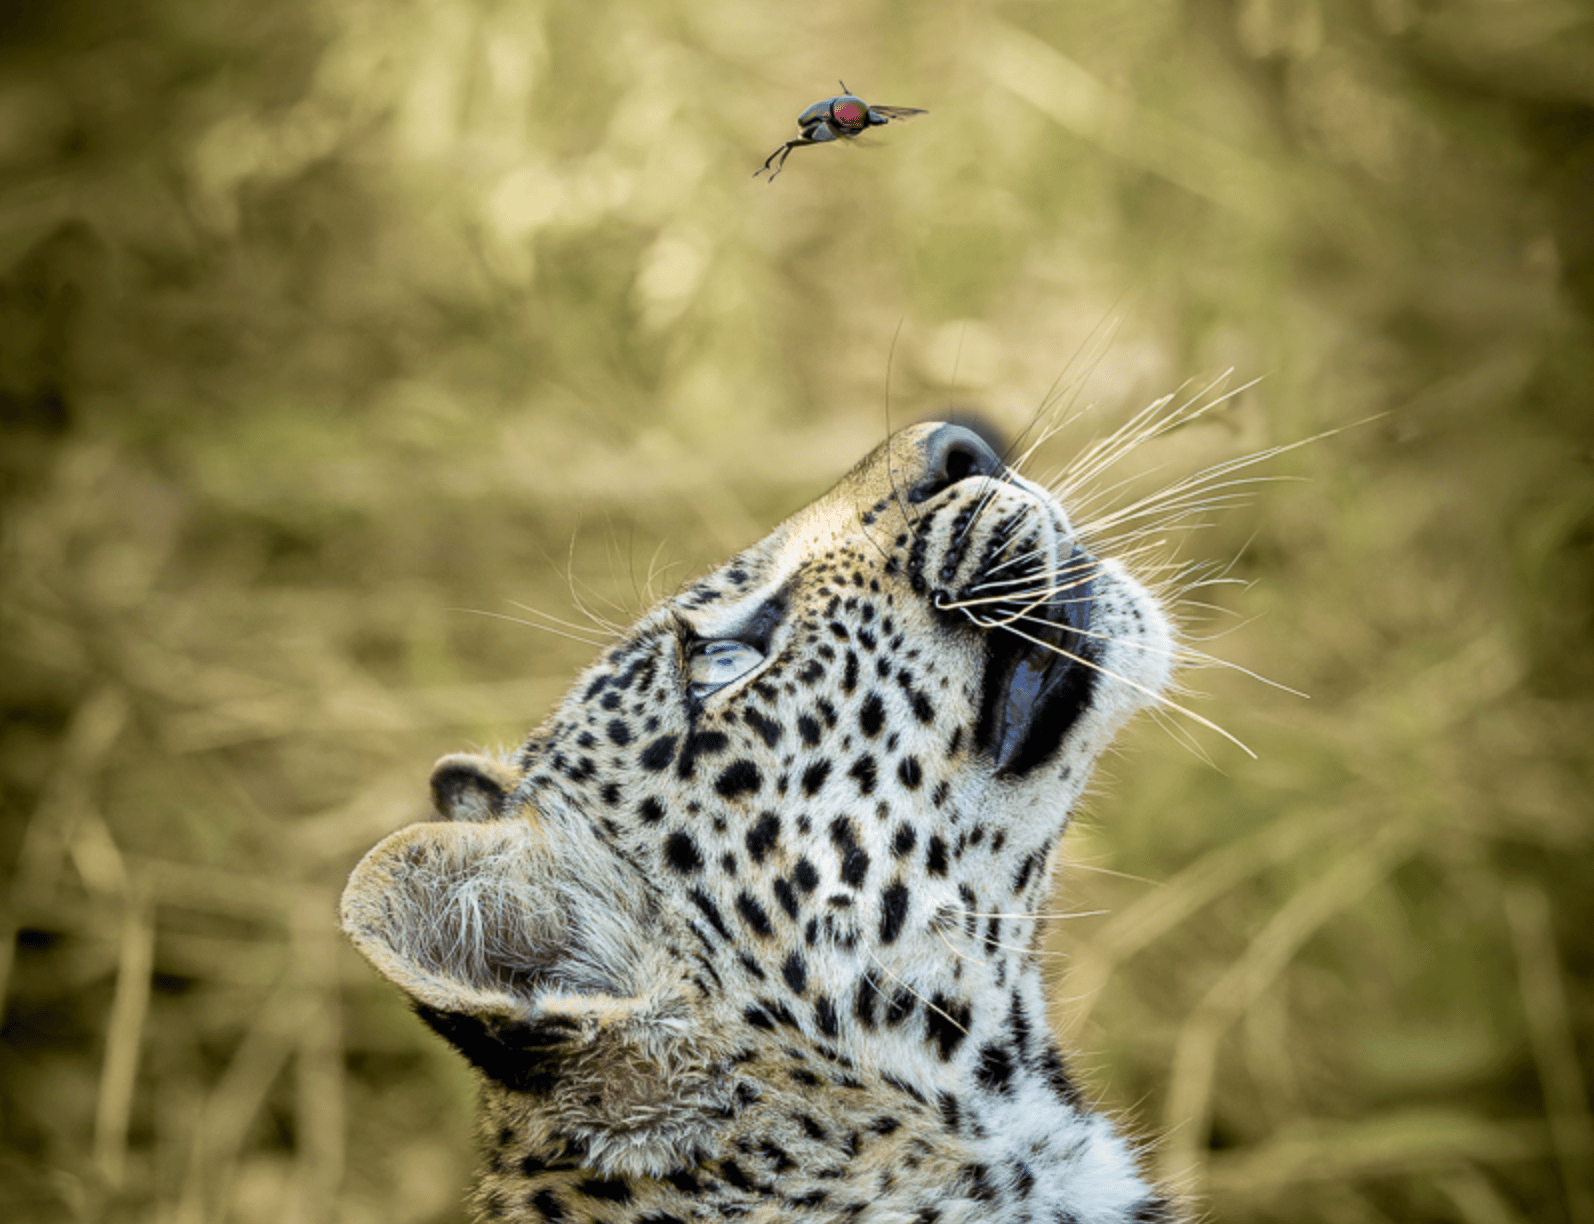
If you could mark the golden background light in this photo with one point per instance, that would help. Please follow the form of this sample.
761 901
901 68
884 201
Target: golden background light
334 336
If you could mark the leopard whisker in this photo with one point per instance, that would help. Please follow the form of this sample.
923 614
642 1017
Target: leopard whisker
1182 737
1033 553
1046 596
573 626
1066 389
656 571
1186 497
958 952
1132 436
1204 478
1077 865
1085 469
891 473
1144 427
908 986
1183 655
1035 588
602 622
1039 915
531 624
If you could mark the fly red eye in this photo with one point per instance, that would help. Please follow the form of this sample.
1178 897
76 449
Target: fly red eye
850 112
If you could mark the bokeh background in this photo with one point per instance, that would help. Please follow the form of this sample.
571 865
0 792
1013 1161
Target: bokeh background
344 343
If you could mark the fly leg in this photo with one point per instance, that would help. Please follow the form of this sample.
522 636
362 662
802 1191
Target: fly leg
819 133
783 153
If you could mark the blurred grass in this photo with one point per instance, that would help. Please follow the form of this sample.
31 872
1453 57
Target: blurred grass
324 323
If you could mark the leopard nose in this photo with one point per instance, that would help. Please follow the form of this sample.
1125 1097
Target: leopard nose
953 453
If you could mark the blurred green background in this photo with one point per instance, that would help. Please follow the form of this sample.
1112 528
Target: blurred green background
335 334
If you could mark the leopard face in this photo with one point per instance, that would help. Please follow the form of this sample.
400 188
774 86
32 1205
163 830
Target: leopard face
747 925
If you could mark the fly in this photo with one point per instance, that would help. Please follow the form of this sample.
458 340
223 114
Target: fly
838 118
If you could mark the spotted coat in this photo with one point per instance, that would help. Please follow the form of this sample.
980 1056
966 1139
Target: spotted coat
745 929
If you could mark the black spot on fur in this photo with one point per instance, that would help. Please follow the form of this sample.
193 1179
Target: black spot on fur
872 716
795 971
903 1001
863 1000
1025 870
546 1203
737 779
608 1189
754 914
946 1023
805 875
710 911
1018 1022
787 898
935 858
1057 1078
825 1016
814 777
619 732
704 743
978 1179
650 811
658 754
808 728
683 1181
761 838
681 853
768 729
779 1158
995 1068
893 911
909 773
854 859
863 772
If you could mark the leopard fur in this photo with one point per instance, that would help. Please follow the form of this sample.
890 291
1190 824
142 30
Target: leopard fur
765 949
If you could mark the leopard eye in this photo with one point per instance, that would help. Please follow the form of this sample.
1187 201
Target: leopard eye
713 665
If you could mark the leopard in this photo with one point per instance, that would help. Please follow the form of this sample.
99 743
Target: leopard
748 928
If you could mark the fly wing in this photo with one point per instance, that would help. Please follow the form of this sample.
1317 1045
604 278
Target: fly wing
885 114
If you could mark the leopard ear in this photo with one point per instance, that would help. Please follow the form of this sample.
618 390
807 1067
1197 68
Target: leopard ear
459 916
554 974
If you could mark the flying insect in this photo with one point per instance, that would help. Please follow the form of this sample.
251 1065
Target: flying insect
838 118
